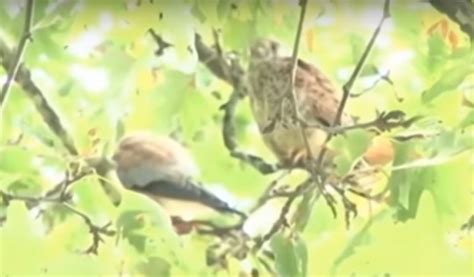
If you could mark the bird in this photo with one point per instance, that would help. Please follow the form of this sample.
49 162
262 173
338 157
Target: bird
164 170
317 99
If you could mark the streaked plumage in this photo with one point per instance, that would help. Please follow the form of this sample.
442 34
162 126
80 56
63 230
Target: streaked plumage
317 98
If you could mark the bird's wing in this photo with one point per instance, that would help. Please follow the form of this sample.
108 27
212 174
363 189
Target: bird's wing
319 90
187 191
142 158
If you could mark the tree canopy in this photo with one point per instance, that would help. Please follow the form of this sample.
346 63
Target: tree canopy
78 75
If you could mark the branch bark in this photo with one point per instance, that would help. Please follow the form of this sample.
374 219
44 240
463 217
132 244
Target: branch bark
233 74
50 116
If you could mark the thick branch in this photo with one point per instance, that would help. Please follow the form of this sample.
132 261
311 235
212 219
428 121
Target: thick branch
15 64
233 74
216 63
50 116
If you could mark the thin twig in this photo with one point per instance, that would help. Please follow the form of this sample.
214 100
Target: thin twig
61 198
294 61
96 231
15 65
385 121
348 85
267 193
162 44
281 221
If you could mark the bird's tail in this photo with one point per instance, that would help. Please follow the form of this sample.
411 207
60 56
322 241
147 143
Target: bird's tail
210 199
190 190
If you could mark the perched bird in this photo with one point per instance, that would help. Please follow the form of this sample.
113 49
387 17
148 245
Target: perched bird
317 99
163 169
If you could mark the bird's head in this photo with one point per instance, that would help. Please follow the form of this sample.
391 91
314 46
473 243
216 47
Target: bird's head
264 49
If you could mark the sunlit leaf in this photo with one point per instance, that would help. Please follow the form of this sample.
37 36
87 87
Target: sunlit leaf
20 235
360 239
468 120
285 257
449 80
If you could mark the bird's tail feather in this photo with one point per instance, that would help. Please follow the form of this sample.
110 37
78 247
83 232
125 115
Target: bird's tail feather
190 190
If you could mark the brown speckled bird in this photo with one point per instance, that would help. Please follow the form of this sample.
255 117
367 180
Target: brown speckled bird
317 101
164 170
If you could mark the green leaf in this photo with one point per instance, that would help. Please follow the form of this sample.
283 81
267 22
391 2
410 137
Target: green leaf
349 147
154 266
304 211
197 12
20 171
361 238
449 80
16 159
411 177
467 121
399 182
20 236
77 264
290 255
238 33
411 190
438 53
223 8
192 118
301 250
53 14
357 46
144 224
170 98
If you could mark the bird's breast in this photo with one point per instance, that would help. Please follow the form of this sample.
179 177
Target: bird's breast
289 146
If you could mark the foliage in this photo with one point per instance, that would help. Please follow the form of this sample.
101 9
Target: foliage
96 65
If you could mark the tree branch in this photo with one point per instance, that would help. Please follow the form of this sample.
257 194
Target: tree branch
60 197
216 63
47 112
294 61
96 231
15 64
233 74
385 121
348 85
